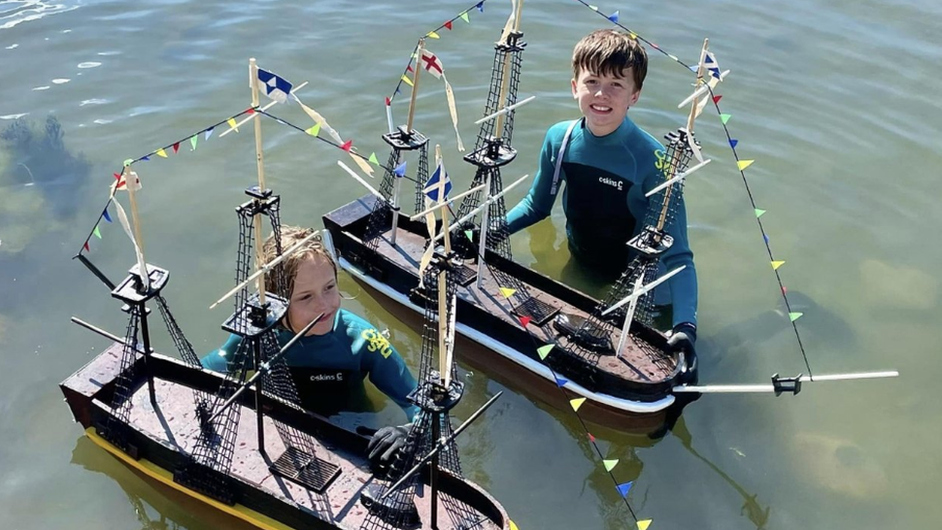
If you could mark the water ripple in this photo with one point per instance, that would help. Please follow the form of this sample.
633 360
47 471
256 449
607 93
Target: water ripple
29 10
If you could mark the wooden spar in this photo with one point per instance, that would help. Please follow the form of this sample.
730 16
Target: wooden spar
259 164
268 266
450 338
442 313
441 197
675 160
505 110
441 205
485 222
353 174
483 205
266 107
505 76
742 389
638 292
415 85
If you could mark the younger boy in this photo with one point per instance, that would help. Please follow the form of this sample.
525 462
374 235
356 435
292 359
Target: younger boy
608 164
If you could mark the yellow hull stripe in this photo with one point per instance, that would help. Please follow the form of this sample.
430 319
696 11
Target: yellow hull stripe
162 475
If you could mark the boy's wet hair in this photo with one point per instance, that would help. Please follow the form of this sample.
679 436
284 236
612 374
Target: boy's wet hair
290 236
610 52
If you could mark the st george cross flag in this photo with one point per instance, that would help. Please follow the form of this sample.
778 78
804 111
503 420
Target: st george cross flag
432 186
276 88
433 65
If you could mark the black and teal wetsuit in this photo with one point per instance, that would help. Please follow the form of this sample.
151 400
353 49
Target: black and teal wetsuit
606 178
329 370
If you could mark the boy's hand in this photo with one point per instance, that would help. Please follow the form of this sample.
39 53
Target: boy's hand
683 338
387 441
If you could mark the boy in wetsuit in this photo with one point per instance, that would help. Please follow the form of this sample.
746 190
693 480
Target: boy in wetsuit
330 363
608 164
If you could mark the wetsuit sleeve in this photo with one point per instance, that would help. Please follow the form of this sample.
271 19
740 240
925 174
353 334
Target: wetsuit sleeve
538 204
219 359
389 373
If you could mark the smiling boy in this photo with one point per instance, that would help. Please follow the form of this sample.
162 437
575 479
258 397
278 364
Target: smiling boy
608 164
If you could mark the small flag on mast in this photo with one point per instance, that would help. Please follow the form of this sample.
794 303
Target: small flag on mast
276 88
433 65
432 186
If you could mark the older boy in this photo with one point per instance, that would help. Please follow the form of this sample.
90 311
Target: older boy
608 163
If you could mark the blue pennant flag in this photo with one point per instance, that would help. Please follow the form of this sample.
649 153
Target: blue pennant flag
275 87
560 382
614 17
480 6
733 142
623 489
400 170
208 133
693 68
106 216
431 187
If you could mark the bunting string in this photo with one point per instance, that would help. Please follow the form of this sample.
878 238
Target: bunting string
741 164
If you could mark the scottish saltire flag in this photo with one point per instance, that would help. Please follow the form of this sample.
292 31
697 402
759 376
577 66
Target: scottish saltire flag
433 185
276 88
709 62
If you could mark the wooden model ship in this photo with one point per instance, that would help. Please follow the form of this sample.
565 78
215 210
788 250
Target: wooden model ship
606 351
244 444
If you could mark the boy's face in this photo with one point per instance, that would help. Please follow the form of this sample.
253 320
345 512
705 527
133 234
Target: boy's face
604 99
315 292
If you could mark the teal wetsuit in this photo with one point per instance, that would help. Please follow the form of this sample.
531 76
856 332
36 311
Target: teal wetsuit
328 370
606 179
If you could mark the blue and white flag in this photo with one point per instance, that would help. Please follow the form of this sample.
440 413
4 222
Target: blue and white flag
276 88
433 185
709 62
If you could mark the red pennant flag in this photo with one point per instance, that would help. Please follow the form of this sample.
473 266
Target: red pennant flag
250 110
716 99
409 68
85 246
524 321
448 24
176 147
117 176
347 145
388 102
784 290
591 438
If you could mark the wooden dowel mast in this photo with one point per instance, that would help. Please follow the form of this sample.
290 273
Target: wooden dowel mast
135 217
260 165
504 80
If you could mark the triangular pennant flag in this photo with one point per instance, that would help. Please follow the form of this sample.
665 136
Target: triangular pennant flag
208 133
347 145
623 489
777 264
193 140
409 68
610 464
176 147
315 130
117 176
743 164
725 118
794 316
591 438
161 153
480 6
784 290
513 525
373 159
85 246
507 292
104 213
232 124
765 237
633 35
594 8
716 99
560 382
576 403
693 67
655 46
447 24
433 35
400 170
470 235
759 213
643 525
407 80
96 232
674 57
614 17
145 158
543 351
464 16
524 320
128 162
733 142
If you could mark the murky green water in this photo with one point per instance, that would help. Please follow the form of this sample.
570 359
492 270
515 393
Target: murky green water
836 102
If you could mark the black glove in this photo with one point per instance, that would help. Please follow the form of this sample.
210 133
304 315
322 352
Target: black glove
387 441
683 338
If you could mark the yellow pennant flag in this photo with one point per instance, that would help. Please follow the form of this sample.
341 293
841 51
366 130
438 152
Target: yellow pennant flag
407 80
432 35
543 351
777 264
161 153
315 130
576 403
232 124
507 292
512 525
643 525
610 464
743 164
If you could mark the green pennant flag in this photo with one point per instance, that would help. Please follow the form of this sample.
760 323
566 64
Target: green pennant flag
725 118
464 16
794 316
759 213
193 140
610 464
128 162
373 159
97 233
469 234
315 130
543 351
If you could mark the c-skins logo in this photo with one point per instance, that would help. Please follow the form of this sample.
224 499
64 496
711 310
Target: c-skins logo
618 184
